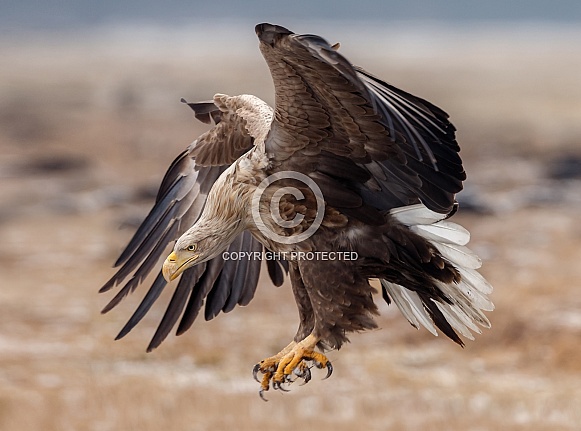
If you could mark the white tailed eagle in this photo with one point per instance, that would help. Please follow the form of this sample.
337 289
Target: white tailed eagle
347 179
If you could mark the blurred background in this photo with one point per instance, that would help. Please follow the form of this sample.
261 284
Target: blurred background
89 121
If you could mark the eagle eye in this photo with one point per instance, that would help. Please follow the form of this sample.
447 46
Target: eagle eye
192 247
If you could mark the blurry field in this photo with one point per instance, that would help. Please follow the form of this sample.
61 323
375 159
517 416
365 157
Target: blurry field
88 125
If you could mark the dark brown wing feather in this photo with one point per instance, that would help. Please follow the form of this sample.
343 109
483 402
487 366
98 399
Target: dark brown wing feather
179 203
327 107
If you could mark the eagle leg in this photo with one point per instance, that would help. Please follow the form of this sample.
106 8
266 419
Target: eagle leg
296 358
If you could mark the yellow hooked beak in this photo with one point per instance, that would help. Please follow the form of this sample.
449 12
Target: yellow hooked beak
174 265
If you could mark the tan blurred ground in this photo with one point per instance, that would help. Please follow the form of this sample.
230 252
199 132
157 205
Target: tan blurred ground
88 125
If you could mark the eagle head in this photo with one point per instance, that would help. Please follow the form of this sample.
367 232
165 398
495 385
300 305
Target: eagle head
204 241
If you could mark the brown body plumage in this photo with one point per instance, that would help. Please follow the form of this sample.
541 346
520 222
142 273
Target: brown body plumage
385 164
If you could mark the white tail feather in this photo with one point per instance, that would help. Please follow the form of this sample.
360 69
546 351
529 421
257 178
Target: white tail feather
476 298
474 279
416 214
468 297
464 304
466 320
444 232
451 318
458 255
410 305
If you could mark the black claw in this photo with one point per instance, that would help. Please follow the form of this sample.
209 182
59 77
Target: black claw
278 387
261 395
306 375
255 371
329 370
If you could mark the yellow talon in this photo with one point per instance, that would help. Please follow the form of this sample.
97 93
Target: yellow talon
294 358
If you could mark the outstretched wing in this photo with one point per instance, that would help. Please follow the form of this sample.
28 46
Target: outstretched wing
219 283
369 146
